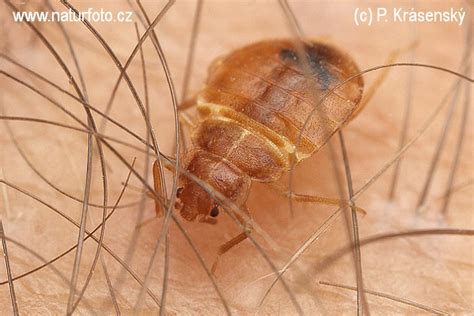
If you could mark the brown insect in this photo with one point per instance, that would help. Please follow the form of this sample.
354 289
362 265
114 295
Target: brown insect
253 107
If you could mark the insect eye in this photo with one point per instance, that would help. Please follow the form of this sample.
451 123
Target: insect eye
214 211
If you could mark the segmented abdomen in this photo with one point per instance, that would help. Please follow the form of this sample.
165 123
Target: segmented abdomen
256 101
256 150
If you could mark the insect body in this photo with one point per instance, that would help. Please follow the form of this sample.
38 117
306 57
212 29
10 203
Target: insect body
253 107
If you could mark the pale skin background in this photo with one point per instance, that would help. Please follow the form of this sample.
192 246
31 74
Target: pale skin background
435 271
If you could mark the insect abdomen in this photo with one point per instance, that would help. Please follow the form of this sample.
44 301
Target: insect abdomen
258 105
268 83
237 139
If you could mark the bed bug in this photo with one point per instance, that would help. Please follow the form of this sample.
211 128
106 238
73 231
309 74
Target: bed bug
252 109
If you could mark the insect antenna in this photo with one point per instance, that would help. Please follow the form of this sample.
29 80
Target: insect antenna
164 230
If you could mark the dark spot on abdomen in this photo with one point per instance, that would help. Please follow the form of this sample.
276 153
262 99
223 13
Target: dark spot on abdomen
289 54
316 62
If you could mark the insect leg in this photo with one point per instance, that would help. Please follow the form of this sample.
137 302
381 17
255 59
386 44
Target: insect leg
323 200
314 198
187 104
392 57
234 241
185 119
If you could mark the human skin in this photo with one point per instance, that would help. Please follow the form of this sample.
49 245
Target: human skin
434 270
